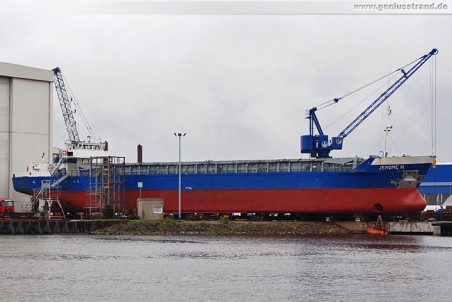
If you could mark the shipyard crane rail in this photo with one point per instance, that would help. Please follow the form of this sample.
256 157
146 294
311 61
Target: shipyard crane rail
318 145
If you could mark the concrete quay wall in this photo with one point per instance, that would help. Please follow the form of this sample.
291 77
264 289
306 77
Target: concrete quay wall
395 227
408 227
34 226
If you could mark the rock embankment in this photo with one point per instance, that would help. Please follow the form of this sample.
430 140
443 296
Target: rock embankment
220 228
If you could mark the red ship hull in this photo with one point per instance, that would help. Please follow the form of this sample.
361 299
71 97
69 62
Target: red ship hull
334 201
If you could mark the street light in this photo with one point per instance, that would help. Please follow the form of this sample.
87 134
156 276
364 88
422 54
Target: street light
180 175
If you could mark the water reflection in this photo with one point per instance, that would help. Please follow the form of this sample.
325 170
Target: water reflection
117 268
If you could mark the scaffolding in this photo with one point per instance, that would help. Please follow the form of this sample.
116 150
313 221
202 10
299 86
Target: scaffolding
106 194
44 198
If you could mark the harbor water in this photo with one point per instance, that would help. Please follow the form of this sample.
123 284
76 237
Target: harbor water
118 268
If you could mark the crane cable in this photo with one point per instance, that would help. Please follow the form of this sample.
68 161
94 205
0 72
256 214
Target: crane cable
82 115
335 100
433 104
358 104
438 198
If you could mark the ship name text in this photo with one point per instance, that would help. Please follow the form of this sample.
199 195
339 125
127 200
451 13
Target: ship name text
391 167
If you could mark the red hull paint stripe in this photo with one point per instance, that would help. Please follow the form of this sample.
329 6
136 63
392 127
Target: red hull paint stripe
401 200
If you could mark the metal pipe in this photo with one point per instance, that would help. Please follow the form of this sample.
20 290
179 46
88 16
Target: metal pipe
180 174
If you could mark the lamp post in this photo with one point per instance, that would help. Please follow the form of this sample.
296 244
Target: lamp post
180 175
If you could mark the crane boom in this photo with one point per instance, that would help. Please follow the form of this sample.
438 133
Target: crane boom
65 104
319 146
385 95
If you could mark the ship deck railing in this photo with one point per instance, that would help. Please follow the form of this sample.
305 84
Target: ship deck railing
218 167
221 167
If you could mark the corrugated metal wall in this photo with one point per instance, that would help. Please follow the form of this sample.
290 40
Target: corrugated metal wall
4 137
25 122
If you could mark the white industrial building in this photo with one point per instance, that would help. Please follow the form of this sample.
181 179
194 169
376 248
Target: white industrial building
25 123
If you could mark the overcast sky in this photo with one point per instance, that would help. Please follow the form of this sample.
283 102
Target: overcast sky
237 84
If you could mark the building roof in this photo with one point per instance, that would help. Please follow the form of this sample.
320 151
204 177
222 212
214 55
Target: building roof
24 72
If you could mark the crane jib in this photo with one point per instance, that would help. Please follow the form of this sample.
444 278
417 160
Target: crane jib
65 104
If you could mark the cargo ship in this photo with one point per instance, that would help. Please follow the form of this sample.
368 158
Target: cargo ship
84 178
322 186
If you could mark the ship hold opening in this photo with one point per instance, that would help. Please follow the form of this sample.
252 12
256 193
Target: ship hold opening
378 207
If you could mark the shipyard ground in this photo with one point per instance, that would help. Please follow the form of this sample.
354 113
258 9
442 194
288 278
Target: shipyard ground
171 227
223 228
269 228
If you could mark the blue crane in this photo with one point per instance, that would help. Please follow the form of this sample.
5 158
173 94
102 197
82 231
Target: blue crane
319 146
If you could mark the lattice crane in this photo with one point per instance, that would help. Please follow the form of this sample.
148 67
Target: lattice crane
67 101
66 105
